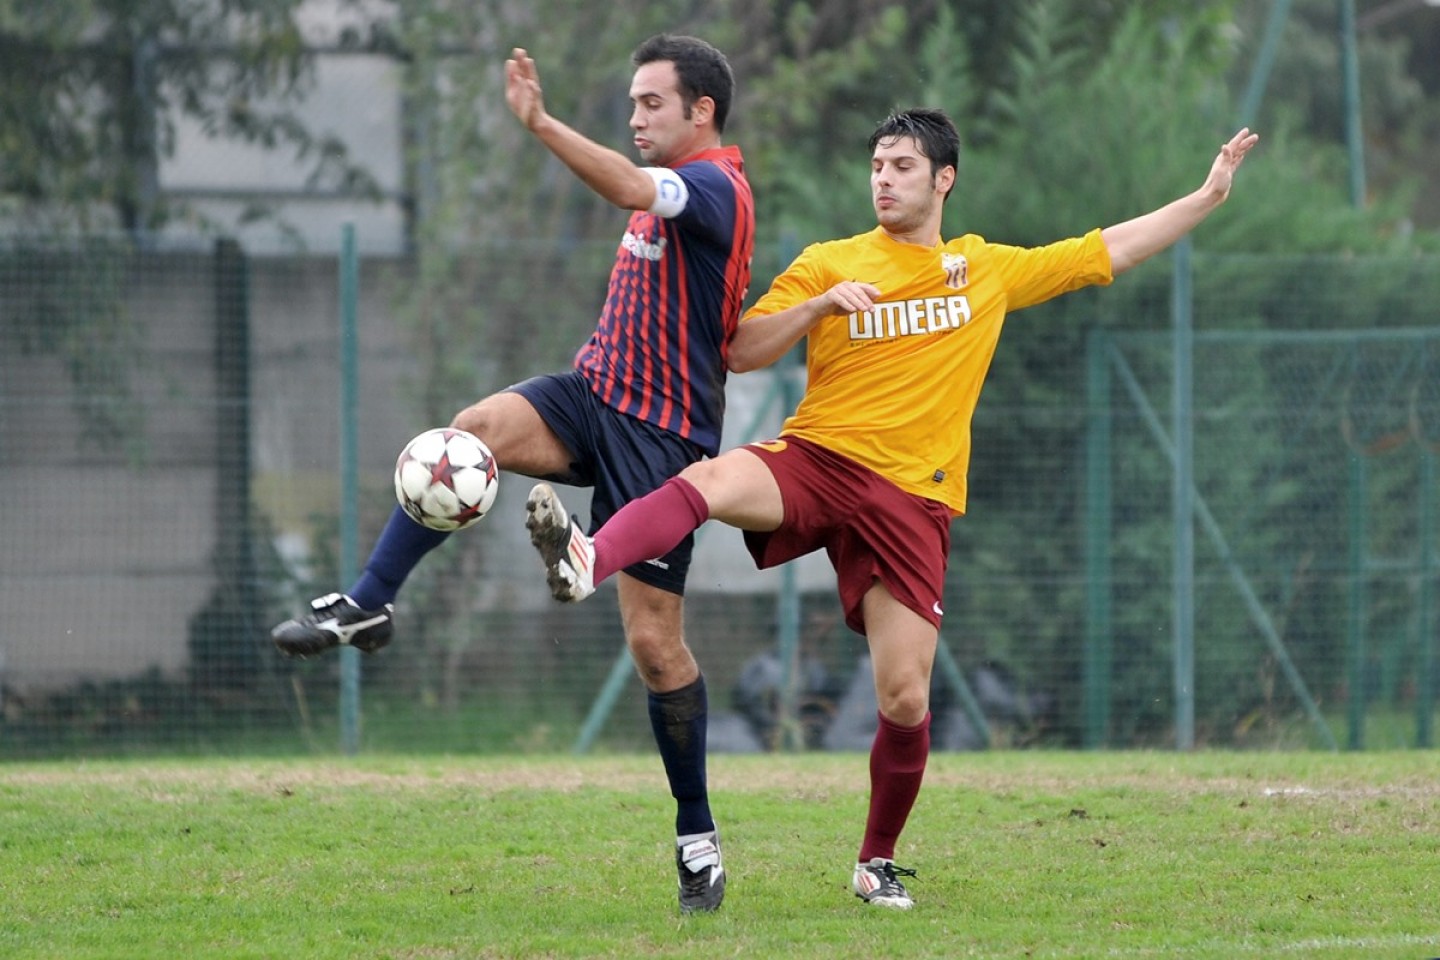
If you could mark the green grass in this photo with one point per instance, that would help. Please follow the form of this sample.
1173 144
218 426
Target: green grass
1311 855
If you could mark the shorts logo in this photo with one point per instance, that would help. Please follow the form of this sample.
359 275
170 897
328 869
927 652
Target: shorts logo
773 446
936 607
956 268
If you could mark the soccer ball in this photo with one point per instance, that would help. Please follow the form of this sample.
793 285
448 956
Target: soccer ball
446 479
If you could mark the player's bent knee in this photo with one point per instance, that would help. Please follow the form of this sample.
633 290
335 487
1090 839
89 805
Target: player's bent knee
905 707
474 420
662 663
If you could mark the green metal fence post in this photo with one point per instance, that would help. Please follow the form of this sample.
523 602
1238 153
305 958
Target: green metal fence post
1182 485
1260 73
1350 70
1425 695
1098 508
787 607
951 672
237 574
787 603
349 478
1355 620
605 701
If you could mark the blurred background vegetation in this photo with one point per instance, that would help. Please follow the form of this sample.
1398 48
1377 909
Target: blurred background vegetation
1073 113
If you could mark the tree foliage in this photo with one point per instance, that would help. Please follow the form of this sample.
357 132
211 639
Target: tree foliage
91 92
1398 47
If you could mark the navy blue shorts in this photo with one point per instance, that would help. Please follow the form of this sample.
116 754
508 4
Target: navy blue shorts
621 457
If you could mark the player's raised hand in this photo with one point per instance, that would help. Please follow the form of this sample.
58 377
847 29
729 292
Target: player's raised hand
522 88
1227 161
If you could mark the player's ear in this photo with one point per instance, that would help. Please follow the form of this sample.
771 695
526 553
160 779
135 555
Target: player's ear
945 179
702 111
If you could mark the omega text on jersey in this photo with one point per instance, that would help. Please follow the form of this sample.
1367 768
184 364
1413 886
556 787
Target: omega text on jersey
910 318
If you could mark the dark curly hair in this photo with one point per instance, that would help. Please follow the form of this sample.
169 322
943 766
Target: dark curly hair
931 129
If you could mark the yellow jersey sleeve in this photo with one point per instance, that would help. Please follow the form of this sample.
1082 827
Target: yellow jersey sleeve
1036 274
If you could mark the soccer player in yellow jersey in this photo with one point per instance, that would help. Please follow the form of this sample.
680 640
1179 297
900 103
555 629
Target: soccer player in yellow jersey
901 326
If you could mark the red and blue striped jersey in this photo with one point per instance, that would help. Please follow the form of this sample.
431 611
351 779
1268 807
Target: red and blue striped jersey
659 350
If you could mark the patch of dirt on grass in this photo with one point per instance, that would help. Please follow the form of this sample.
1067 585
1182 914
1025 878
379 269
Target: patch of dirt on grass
811 775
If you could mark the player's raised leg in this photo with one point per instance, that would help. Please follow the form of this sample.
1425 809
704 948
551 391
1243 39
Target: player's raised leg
735 488
643 529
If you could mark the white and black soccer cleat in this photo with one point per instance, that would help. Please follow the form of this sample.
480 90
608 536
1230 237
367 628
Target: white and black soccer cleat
702 874
569 555
334 620
878 883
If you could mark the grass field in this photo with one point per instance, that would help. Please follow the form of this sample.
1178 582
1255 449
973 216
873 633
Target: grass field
1019 854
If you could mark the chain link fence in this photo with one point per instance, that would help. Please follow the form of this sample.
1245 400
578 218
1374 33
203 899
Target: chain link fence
170 455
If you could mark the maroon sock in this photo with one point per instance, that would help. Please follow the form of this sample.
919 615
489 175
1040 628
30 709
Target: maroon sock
897 765
649 527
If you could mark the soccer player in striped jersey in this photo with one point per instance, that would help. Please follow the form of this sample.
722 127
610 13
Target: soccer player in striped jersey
901 325
644 400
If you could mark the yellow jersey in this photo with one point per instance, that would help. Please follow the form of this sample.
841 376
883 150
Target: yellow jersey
895 388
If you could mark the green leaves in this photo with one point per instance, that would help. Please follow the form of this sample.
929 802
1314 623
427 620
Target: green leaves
91 91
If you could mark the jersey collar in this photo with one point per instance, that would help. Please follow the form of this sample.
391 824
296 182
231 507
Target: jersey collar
730 154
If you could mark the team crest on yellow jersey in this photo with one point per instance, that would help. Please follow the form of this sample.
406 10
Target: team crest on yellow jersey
956 267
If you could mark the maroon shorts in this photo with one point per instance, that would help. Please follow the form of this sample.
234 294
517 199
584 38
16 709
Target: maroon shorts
870 528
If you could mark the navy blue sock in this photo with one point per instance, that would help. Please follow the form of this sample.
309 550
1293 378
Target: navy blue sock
679 721
401 545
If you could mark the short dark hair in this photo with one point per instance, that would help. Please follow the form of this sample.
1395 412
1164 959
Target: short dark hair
703 71
932 129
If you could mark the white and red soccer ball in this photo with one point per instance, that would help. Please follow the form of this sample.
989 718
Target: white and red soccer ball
446 479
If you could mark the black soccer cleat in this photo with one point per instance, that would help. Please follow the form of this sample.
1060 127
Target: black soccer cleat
702 875
333 620
878 883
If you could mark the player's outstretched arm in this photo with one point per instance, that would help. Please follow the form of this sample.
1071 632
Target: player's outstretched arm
1135 241
607 172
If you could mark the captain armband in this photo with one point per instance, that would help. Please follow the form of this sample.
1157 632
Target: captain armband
671 194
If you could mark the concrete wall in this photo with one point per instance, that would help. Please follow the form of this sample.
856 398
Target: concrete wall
104 549
107 550
354 97
106 554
